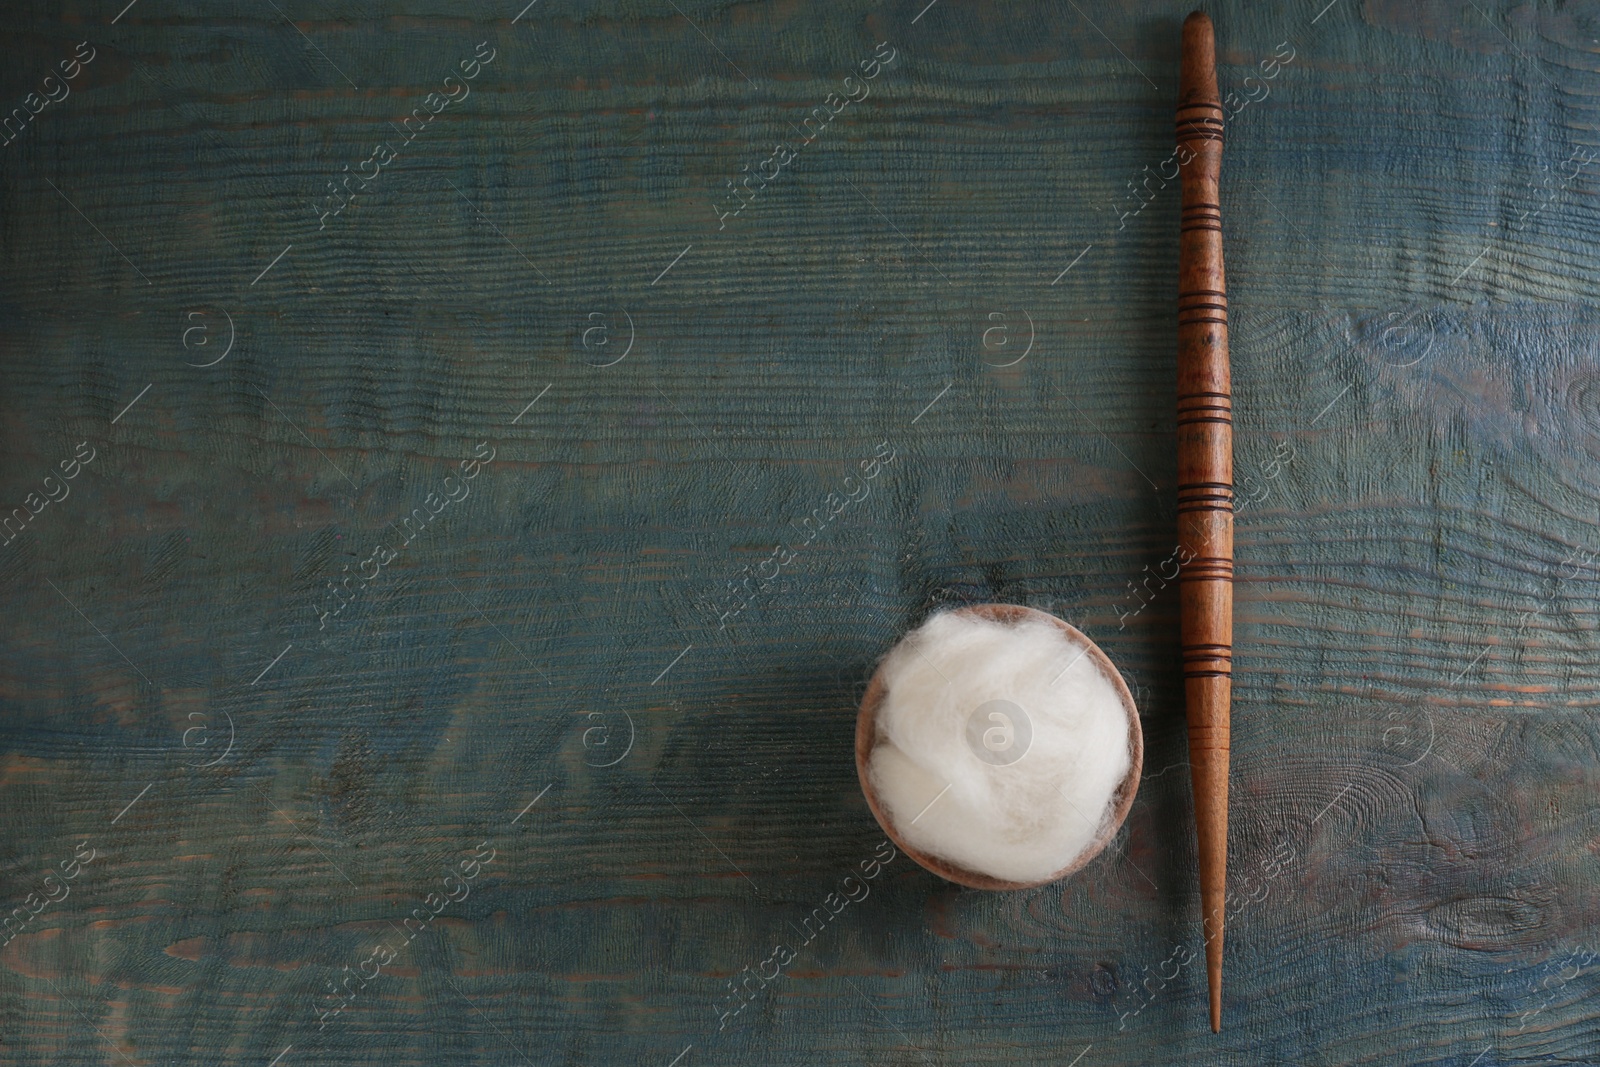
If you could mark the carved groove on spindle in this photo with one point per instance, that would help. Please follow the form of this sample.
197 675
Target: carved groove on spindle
1204 408
1207 569
1194 301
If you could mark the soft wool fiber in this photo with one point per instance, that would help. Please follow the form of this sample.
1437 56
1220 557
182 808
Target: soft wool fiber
1020 822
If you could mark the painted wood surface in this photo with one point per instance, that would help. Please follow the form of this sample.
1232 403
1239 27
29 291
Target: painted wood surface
567 762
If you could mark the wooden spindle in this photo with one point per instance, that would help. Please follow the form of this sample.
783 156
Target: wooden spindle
1205 478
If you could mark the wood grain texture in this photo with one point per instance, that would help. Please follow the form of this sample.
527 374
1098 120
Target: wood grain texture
1417 421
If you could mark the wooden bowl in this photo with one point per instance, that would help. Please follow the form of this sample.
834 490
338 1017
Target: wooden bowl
866 740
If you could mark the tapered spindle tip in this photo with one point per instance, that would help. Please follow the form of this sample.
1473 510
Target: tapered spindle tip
1214 976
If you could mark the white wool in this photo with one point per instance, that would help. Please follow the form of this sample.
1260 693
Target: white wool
1020 822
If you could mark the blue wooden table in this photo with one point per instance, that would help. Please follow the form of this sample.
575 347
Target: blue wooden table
463 463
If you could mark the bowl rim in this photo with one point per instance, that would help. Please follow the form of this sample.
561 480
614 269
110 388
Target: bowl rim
866 742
